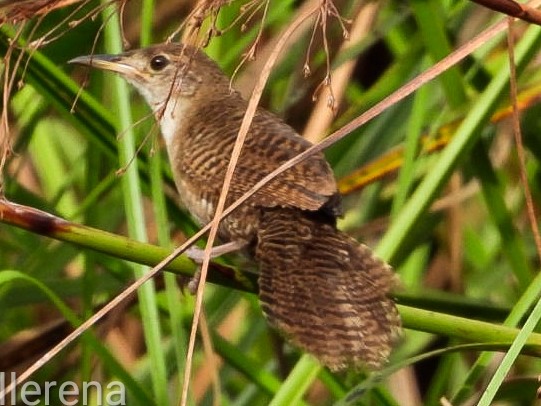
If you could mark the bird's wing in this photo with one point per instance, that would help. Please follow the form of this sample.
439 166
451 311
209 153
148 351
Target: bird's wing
203 154
308 185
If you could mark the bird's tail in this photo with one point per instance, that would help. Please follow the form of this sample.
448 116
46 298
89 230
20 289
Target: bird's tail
327 293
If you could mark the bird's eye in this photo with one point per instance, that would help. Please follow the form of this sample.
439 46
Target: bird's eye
159 62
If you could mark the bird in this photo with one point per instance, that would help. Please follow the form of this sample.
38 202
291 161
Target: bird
328 294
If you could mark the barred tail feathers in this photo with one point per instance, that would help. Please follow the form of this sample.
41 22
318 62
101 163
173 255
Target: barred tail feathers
327 293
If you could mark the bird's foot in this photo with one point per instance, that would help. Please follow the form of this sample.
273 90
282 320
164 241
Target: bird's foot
193 283
197 255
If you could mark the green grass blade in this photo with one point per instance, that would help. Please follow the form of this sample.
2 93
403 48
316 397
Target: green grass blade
135 216
465 137
7 277
510 356
298 381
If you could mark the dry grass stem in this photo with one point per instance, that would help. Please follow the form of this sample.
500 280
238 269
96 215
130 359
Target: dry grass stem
245 81
205 8
392 99
518 140
19 10
322 116
250 55
219 213
526 12
212 362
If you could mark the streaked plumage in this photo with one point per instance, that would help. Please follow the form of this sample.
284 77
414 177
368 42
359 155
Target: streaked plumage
327 293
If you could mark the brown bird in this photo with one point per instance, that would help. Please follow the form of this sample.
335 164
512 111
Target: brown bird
326 292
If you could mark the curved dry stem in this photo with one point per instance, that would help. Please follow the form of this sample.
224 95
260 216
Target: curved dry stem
530 207
326 9
219 213
321 116
405 91
69 21
513 9
9 80
250 55
21 10
211 360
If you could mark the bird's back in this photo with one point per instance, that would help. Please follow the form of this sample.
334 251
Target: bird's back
202 154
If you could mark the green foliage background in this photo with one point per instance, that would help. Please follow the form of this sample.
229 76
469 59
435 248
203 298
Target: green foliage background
453 223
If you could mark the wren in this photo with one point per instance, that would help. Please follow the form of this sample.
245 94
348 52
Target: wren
328 294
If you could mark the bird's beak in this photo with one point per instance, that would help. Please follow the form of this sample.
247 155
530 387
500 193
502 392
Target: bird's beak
114 63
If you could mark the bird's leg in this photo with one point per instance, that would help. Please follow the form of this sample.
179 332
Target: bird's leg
197 255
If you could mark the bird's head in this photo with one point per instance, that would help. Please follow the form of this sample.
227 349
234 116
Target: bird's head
163 72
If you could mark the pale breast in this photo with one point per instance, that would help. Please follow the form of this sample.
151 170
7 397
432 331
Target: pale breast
201 207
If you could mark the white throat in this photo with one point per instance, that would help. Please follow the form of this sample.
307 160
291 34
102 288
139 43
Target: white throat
171 120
